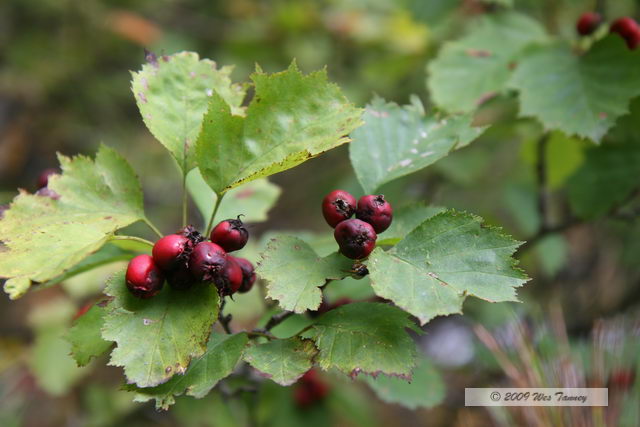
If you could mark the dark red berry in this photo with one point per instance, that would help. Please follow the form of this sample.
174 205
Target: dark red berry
338 206
207 261
311 388
82 310
144 278
356 238
230 234
180 278
628 29
43 178
231 278
171 250
588 23
376 211
248 275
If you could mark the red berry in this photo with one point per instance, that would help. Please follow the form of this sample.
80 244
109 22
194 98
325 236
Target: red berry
588 23
338 206
248 275
231 278
171 250
376 211
144 278
622 379
207 261
43 178
310 389
230 234
628 29
356 238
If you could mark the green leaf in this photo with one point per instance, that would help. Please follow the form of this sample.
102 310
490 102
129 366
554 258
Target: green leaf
606 178
158 337
41 238
253 199
425 390
365 337
291 119
85 336
283 361
172 95
449 256
294 273
222 355
397 141
468 71
405 219
578 94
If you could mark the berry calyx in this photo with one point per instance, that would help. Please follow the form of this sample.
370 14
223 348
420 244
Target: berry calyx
231 278
376 211
628 29
248 275
338 206
43 178
588 23
171 250
355 238
144 278
192 234
207 261
230 234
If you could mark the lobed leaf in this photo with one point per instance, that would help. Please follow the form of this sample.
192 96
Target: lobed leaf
396 141
468 71
157 338
294 273
365 337
172 93
42 238
580 95
449 256
283 360
291 118
425 390
607 178
222 355
85 336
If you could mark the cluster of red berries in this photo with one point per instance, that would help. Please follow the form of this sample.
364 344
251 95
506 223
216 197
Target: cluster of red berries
626 27
357 236
186 258
310 388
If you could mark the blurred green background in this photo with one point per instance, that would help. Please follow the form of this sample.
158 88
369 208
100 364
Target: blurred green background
64 87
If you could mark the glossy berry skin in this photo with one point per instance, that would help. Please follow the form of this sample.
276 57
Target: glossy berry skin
231 278
43 178
376 211
338 206
356 238
248 275
144 278
171 250
230 234
207 261
628 29
588 23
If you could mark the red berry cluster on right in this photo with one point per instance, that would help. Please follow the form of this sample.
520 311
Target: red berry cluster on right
625 27
186 258
356 237
311 388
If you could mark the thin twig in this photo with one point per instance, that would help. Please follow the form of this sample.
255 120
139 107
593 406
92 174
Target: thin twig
185 201
541 173
224 320
276 319
258 333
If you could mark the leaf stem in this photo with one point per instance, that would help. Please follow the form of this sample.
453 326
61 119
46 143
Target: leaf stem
132 238
215 211
153 227
185 201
